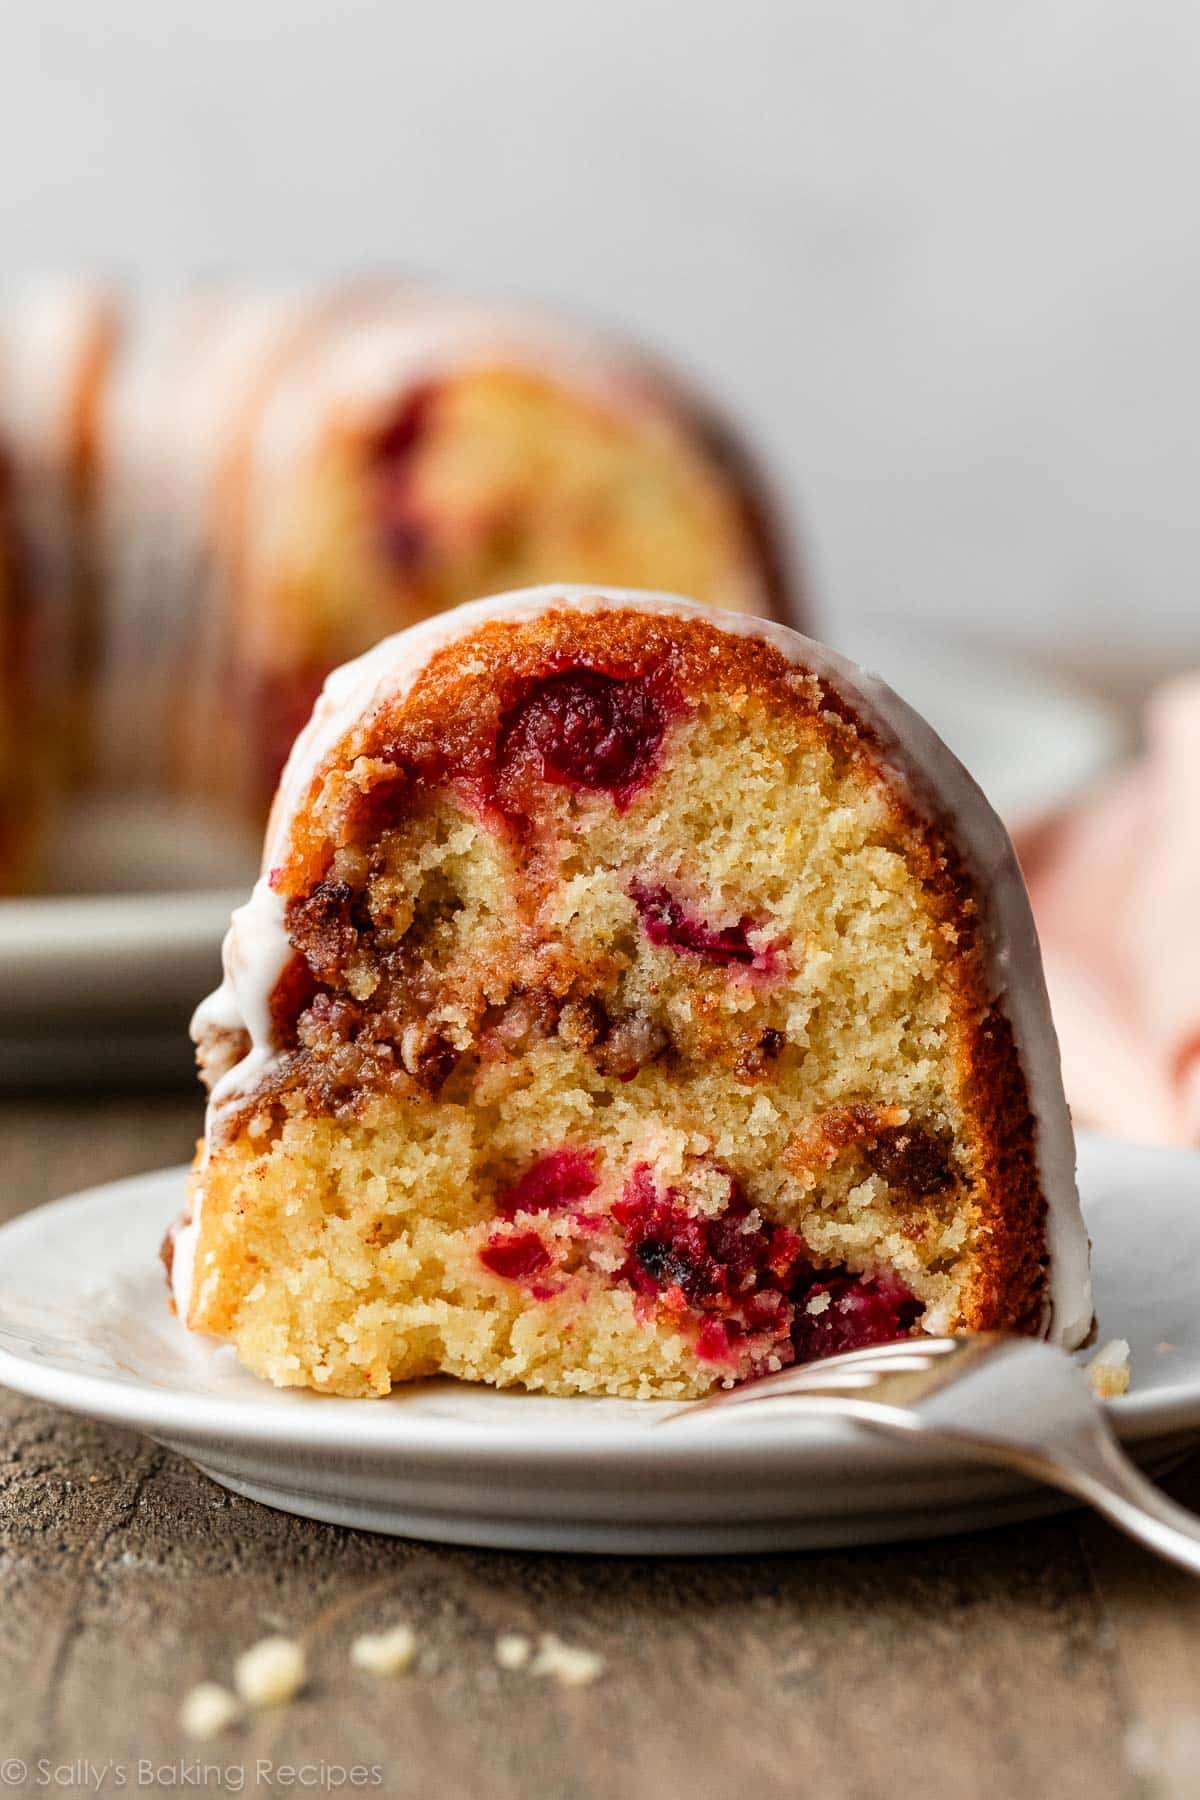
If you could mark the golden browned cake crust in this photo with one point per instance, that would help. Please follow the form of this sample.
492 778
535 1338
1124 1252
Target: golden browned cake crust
636 1028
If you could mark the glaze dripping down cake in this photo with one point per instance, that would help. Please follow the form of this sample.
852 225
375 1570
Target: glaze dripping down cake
636 998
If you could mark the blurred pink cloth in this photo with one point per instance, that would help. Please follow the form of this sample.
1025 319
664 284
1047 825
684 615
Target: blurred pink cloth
1115 884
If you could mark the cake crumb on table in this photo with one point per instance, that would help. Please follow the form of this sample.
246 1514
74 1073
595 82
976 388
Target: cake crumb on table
567 1664
1108 1371
513 1650
390 1652
270 1672
207 1710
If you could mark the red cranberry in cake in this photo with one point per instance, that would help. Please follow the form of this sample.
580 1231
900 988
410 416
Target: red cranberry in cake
653 1002
554 1183
665 921
714 1259
846 1312
583 729
515 1256
751 1292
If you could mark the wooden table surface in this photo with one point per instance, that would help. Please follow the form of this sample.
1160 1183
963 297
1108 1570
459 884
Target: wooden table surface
1042 1661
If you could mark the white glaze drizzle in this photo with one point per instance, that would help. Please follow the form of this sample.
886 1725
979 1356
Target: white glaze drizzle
257 949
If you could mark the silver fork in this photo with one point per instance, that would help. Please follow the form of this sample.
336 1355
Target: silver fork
1012 1401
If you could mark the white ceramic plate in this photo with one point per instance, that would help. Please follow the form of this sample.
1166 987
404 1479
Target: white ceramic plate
105 973
84 1324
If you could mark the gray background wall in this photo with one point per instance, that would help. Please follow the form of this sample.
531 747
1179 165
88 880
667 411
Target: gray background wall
943 253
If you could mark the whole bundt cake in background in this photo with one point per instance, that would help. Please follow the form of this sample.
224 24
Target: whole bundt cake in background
410 454
16 798
226 493
54 342
635 998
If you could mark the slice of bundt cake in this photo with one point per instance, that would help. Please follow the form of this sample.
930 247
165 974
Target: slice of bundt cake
636 998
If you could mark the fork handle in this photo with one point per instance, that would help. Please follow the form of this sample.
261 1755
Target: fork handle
1095 1468
1116 1487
